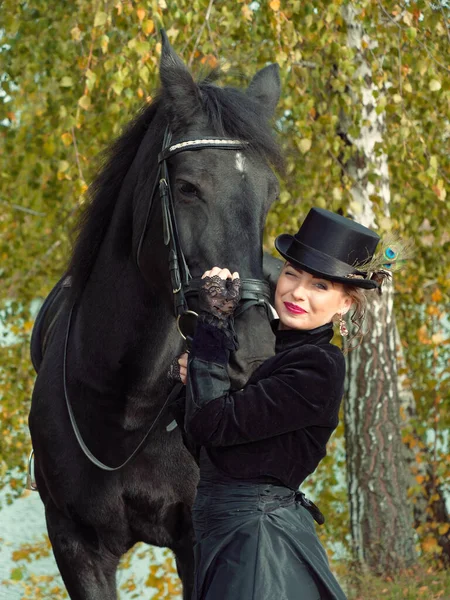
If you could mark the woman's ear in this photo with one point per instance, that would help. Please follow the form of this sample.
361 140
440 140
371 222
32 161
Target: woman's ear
346 305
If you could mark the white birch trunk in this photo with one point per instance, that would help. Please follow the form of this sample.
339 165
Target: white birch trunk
378 474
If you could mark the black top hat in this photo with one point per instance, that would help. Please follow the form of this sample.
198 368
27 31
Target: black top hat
331 246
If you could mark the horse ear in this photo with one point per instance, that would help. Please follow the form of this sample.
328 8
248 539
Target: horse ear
266 88
177 82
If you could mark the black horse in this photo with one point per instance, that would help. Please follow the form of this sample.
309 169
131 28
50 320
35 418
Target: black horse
105 352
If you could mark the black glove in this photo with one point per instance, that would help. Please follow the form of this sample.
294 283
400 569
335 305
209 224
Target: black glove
173 372
219 298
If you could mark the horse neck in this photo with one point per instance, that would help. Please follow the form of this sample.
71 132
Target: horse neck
118 304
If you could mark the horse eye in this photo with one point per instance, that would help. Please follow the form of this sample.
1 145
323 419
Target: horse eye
188 189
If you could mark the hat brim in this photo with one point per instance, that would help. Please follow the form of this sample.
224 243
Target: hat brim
316 263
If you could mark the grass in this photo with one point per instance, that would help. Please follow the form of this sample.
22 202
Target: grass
418 583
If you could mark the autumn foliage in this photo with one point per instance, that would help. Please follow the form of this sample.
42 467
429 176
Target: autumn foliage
74 73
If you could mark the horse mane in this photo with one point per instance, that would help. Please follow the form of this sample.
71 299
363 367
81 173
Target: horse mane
230 112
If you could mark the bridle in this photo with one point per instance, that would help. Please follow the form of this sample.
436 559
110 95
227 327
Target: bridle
254 292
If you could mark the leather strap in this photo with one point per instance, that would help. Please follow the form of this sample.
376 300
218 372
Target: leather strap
94 460
254 292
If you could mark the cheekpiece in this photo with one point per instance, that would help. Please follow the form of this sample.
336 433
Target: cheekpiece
333 247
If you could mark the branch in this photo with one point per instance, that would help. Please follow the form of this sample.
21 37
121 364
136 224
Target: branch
424 144
33 269
445 21
77 156
200 33
351 178
308 64
424 46
23 209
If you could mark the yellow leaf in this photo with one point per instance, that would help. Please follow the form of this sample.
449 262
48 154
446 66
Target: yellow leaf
85 102
439 190
75 33
337 193
429 544
433 311
66 81
63 165
435 85
304 145
275 5
408 18
148 27
141 12
437 338
443 529
100 19
104 43
67 139
247 13
422 334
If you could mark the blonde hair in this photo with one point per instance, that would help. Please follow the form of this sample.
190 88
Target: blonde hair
357 316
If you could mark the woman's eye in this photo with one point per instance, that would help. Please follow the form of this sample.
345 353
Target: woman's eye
289 273
188 189
321 286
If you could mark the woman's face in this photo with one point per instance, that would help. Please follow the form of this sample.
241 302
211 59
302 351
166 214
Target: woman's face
304 301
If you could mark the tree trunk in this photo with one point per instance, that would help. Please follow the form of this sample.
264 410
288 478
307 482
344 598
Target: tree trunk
381 517
378 473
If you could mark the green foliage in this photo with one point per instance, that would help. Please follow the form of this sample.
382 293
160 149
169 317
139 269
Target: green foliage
75 72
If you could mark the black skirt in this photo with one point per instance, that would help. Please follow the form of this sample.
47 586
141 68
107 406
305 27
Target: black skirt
254 541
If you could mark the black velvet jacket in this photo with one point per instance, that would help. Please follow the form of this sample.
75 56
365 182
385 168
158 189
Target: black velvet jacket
279 423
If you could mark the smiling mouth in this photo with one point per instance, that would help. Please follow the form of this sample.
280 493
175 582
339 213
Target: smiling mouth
293 308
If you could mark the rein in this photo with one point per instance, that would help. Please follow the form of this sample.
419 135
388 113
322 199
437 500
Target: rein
254 292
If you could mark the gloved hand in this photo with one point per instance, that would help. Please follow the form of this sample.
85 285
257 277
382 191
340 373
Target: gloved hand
178 369
219 294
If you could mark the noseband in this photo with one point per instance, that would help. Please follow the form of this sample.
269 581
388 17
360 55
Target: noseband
254 292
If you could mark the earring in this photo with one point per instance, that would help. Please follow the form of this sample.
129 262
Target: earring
342 326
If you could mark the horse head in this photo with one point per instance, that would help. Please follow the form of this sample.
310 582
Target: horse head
221 195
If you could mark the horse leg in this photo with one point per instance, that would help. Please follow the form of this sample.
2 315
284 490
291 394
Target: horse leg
88 569
184 557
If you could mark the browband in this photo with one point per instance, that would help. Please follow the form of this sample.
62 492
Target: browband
207 142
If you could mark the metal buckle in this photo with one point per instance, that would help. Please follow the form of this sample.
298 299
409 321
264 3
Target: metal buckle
31 482
186 323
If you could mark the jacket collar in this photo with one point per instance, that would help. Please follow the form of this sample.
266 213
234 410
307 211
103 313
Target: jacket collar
289 338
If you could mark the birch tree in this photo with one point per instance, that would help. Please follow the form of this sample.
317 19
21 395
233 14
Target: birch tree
377 473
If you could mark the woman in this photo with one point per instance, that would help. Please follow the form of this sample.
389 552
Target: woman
255 536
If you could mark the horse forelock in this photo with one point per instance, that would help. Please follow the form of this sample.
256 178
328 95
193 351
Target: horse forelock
231 112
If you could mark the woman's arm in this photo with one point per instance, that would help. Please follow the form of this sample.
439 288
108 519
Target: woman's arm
304 390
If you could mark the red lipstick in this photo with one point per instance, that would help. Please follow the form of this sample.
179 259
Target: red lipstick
293 308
